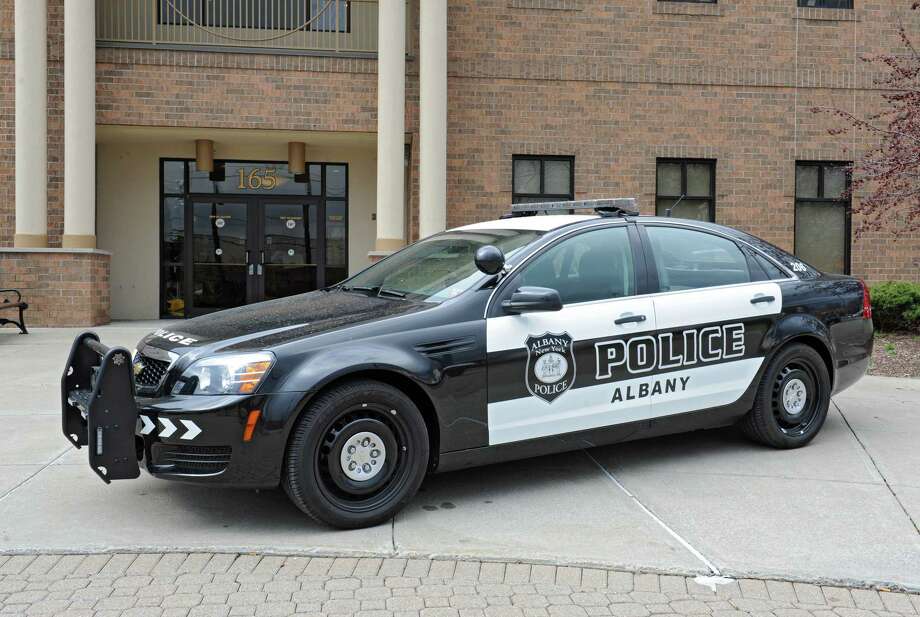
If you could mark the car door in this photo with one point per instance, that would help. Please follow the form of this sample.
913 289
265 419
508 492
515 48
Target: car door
713 309
553 372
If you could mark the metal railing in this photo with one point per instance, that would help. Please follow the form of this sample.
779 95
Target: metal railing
348 27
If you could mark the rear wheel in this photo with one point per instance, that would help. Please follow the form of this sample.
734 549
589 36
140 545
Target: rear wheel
357 455
792 399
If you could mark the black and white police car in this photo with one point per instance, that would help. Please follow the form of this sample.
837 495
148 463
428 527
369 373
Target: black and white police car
494 341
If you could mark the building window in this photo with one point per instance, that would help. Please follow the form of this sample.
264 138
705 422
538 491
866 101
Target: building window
267 15
687 187
822 215
542 178
826 4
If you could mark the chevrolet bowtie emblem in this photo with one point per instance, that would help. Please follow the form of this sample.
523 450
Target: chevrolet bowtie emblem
138 367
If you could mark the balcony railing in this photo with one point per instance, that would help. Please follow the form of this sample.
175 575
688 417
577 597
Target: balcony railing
322 27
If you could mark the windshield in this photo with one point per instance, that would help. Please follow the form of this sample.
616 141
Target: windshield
438 268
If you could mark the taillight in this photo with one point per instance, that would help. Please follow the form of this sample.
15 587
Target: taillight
867 301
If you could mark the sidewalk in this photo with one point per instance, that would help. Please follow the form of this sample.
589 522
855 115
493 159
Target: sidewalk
204 584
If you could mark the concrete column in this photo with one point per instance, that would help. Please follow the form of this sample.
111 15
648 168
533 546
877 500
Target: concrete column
31 18
79 124
391 125
433 117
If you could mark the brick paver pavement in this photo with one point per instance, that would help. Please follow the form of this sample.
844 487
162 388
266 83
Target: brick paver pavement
204 584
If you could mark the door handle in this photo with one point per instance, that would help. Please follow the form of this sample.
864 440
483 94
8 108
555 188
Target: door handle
258 269
630 319
762 299
251 269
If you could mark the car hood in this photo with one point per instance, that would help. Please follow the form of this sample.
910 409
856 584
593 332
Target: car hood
266 324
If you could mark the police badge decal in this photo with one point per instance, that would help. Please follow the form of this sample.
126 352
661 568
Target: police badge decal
550 365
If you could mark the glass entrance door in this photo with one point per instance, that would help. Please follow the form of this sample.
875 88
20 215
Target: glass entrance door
219 273
291 251
249 231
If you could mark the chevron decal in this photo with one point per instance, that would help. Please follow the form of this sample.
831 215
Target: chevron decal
189 430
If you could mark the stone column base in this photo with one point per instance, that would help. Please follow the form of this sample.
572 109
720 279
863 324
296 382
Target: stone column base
64 287
30 241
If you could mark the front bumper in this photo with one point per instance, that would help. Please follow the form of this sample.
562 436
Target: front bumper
187 438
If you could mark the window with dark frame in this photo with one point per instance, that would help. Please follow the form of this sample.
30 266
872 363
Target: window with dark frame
826 4
542 178
687 187
268 15
822 215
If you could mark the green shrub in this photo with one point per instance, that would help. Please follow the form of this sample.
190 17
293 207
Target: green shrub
896 306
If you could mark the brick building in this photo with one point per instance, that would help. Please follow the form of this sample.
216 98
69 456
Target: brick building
218 152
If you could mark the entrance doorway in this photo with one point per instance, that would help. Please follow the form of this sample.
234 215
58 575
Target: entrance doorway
246 248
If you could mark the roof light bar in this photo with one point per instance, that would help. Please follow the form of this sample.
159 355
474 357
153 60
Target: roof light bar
621 206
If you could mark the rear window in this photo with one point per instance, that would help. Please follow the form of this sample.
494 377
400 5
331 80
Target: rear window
791 262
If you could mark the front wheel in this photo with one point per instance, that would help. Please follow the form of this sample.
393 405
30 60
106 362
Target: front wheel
357 455
792 400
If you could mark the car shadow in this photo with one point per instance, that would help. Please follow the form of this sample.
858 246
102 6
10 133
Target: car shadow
247 509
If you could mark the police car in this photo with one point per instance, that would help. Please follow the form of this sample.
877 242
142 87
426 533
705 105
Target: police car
541 332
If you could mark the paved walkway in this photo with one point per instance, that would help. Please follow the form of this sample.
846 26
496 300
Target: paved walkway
205 584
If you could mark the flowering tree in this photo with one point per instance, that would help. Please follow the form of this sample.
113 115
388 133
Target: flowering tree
889 172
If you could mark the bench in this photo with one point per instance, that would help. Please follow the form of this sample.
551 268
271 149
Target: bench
8 304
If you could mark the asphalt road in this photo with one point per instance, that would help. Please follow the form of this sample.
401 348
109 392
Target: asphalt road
844 510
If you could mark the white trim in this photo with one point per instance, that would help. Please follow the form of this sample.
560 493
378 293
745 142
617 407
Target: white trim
591 407
533 223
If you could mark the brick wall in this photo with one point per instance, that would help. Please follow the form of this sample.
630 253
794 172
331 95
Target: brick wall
616 84
619 84
222 90
63 288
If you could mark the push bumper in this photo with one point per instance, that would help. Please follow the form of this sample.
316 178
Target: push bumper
186 438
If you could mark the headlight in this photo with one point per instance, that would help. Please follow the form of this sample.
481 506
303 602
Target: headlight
225 374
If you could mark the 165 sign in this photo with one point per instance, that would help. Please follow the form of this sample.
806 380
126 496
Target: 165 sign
259 178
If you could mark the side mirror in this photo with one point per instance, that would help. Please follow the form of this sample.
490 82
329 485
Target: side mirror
529 299
489 259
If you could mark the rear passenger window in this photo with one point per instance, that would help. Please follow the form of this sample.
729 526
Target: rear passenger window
770 269
688 259
595 265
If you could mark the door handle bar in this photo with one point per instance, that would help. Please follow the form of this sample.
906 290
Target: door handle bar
762 299
630 319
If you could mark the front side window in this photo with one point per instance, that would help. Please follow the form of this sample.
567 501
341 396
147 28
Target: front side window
822 215
690 259
543 178
595 265
826 4
438 268
687 187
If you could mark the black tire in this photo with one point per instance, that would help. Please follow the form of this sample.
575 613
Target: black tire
792 399
357 494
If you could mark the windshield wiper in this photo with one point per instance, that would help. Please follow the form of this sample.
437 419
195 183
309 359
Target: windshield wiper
392 293
368 290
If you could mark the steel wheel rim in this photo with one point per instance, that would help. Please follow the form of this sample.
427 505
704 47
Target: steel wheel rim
795 398
367 494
